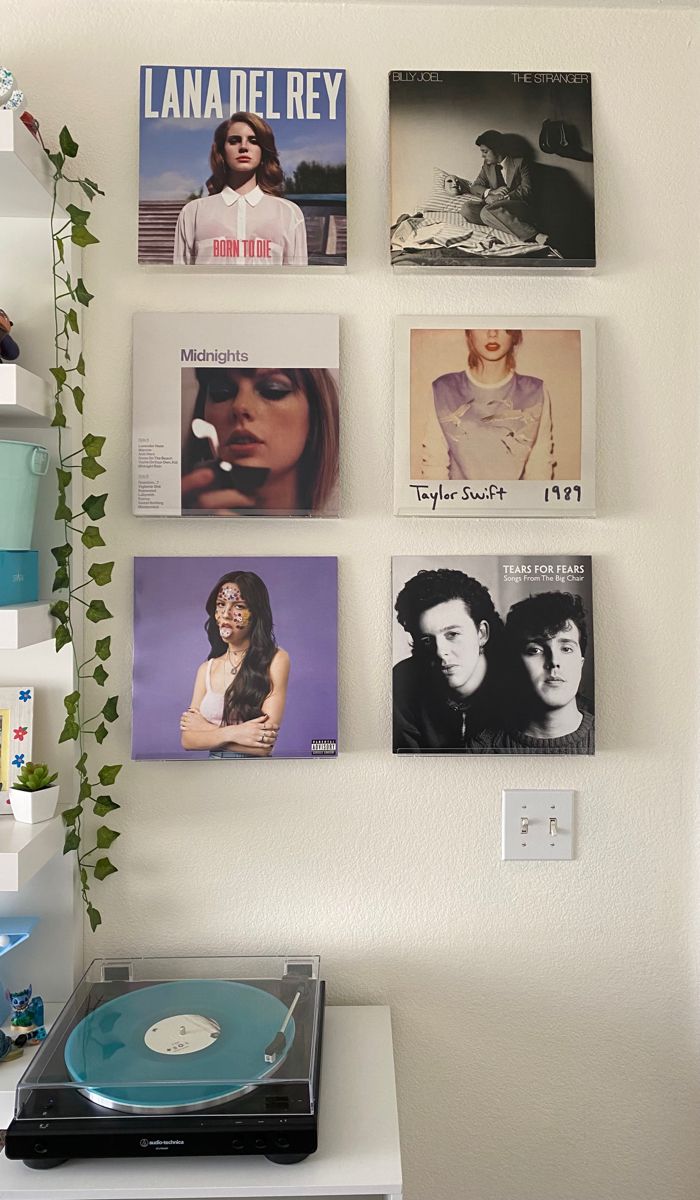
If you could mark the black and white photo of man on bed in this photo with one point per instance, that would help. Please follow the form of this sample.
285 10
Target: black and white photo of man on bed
501 194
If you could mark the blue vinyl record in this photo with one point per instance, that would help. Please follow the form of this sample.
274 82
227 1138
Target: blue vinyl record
177 1046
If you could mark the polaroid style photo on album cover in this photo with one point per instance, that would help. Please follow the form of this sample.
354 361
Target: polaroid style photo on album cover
235 415
498 421
493 654
242 167
255 668
491 168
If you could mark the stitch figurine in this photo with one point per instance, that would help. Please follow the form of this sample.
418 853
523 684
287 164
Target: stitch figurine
28 1014
9 350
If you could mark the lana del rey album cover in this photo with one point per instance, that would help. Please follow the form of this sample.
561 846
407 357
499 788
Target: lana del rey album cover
242 167
235 415
493 654
235 658
491 169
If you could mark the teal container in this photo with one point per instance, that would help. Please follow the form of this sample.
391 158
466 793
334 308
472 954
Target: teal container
22 465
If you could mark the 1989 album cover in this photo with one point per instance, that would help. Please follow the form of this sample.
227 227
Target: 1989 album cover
235 415
235 658
495 421
242 167
491 168
493 655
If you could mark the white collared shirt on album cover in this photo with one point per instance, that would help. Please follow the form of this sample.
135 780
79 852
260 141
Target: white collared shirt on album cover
234 229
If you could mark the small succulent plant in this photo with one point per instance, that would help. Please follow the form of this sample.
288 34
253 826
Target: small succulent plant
34 777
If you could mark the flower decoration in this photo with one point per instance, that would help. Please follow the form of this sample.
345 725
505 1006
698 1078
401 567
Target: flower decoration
19 733
25 694
18 760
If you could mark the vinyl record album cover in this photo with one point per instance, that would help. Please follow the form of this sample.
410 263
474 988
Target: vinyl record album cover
235 658
493 654
235 415
491 168
496 421
242 167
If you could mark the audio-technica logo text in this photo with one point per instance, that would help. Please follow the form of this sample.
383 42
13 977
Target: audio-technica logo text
146 1142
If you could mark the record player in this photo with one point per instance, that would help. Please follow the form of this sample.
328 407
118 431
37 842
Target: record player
177 1056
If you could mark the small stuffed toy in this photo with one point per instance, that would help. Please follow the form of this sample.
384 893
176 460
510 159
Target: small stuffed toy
9 350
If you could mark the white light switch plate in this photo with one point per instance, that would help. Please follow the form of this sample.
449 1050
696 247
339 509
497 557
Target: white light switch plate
527 829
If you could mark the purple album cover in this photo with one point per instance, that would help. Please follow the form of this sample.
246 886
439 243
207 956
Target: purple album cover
235 658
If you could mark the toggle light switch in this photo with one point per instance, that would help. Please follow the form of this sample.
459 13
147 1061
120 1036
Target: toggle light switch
537 824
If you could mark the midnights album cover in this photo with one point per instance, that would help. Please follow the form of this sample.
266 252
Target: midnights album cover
242 167
496 421
235 415
493 655
491 168
235 658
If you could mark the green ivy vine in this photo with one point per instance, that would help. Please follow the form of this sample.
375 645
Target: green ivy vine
75 603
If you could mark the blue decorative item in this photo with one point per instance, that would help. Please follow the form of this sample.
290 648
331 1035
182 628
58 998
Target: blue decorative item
19 576
13 931
28 1014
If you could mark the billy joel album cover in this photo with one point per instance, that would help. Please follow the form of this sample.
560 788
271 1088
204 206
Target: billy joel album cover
491 168
235 658
493 655
242 167
494 421
235 415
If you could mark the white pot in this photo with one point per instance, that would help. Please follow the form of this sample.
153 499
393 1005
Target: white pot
33 807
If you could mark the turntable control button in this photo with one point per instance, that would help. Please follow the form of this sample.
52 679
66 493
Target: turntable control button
238 1144
282 1143
40 1148
260 1143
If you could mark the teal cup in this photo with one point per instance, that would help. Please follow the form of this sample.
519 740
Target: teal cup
22 465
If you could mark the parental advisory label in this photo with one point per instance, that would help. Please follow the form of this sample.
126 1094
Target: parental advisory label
320 746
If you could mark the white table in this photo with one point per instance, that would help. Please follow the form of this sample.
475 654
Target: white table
358 1152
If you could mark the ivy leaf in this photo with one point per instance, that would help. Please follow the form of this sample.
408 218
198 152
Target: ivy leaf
92 445
91 537
70 731
62 553
109 710
61 580
101 733
59 374
80 365
80 765
78 397
64 478
104 805
68 146
62 513
90 468
85 792
81 236
94 917
82 295
101 573
105 837
72 320
71 815
84 879
103 648
57 159
95 186
62 637
94 506
59 609
108 774
72 842
89 192
59 417
71 701
97 611
79 216
100 675
103 868
59 247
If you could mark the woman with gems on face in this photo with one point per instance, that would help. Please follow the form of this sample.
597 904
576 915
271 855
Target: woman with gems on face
244 221
240 691
489 422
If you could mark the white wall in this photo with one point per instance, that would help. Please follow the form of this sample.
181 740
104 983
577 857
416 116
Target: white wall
545 1016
